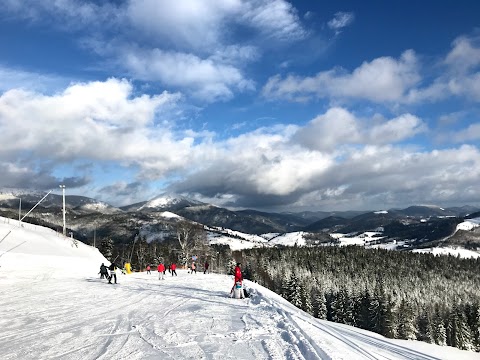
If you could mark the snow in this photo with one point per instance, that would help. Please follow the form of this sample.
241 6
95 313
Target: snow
469 224
381 212
167 199
169 215
289 239
54 306
7 196
455 251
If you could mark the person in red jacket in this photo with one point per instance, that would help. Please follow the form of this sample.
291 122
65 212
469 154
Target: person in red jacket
161 270
238 277
173 267
238 273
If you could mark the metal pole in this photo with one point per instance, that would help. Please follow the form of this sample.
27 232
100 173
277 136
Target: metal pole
20 210
94 234
64 224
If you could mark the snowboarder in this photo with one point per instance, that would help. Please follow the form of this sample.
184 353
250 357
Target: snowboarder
173 268
148 269
193 267
113 273
161 271
206 267
103 272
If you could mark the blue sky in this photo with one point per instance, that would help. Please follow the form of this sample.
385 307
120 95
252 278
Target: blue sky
266 104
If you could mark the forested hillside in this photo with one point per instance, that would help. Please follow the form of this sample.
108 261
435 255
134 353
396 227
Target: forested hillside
396 294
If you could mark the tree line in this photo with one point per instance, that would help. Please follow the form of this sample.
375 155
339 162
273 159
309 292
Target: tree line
400 295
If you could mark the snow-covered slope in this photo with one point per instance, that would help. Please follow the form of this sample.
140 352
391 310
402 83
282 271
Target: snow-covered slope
54 306
469 224
168 201
30 250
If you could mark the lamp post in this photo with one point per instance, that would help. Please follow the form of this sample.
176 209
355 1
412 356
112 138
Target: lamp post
64 225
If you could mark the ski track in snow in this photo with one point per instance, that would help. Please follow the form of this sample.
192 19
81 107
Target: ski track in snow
184 317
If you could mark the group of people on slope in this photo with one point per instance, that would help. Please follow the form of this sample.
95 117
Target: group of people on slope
172 269
109 272
193 267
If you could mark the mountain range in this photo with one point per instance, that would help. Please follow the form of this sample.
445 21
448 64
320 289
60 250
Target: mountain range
88 219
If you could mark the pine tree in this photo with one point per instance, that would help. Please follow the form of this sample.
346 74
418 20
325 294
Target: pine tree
425 327
106 248
364 319
294 291
306 299
406 321
473 319
285 285
438 328
319 305
459 334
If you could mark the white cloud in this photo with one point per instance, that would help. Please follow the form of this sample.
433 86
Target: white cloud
205 78
465 54
389 80
193 24
338 128
340 21
276 19
383 79
192 44
97 120
16 78
65 14
459 75
329 131
103 122
471 133
402 127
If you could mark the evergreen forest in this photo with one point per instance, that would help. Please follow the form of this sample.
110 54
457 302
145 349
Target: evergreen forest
397 294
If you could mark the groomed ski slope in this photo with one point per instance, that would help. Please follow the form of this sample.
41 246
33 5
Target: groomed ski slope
55 310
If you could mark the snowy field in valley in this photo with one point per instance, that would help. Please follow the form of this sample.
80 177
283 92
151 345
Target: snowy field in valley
54 306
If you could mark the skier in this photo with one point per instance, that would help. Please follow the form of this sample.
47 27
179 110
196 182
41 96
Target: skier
193 267
113 273
161 271
206 267
103 272
173 269
237 289
148 269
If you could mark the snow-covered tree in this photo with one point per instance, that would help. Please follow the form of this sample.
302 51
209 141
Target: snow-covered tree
294 291
189 236
406 321
106 247
319 305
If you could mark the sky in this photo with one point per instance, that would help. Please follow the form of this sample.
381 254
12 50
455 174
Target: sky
58 308
262 104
